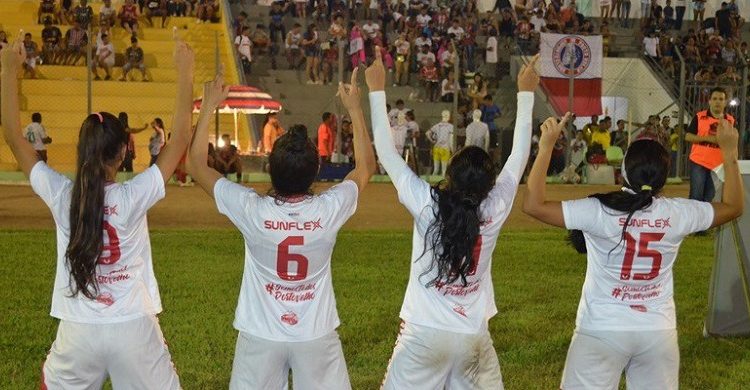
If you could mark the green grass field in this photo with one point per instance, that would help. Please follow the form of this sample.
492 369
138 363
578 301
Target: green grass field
537 280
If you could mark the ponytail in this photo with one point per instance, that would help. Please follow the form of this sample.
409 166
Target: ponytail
644 171
100 141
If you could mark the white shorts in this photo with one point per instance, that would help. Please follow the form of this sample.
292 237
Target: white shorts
596 360
133 354
264 364
428 358
31 62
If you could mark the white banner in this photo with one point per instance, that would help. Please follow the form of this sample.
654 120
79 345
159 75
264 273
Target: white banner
558 51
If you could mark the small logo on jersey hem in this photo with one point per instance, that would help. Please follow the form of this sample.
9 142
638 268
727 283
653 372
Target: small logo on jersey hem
289 318
106 299
460 310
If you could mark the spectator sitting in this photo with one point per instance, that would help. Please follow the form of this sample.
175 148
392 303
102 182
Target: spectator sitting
260 38
425 55
37 136
205 11
83 14
478 91
107 13
47 9
156 8
129 17
227 159
104 58
578 149
619 136
601 134
76 40
448 89
32 55
51 42
134 59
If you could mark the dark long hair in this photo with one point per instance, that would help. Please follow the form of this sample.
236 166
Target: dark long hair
293 164
452 235
99 145
646 167
123 117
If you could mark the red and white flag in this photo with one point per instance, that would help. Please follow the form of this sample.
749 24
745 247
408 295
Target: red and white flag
565 55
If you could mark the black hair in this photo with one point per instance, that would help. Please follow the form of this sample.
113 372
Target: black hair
487 97
718 89
225 135
100 143
27 35
159 123
36 117
400 101
326 116
293 164
454 232
123 117
646 167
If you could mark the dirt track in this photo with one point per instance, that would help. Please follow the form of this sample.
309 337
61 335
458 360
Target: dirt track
191 208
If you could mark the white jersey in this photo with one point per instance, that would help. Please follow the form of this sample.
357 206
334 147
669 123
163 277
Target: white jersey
399 136
453 307
125 274
442 134
477 134
491 51
35 134
628 287
286 292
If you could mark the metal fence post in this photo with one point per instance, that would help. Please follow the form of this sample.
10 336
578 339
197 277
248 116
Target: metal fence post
339 116
89 80
681 116
742 100
217 66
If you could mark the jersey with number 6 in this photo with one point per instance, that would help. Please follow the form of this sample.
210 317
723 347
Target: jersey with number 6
286 292
124 271
628 284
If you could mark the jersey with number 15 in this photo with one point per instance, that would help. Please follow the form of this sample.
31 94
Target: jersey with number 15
628 284
286 292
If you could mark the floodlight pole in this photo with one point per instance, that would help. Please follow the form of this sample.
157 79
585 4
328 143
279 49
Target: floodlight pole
571 84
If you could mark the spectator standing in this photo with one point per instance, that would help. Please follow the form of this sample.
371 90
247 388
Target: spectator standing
590 128
134 59
477 132
276 25
37 136
705 155
330 61
227 159
668 12
674 145
399 132
311 47
293 39
244 46
403 51
491 55
723 21
680 6
327 137
441 137
104 58
619 136
625 6
601 134
578 149
157 140
356 46
699 10
395 112
604 9
490 112
32 55
272 130
127 162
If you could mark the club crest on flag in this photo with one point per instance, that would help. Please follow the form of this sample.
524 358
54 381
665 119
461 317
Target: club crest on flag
575 47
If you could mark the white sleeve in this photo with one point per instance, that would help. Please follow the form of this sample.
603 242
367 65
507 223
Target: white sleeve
519 155
42 132
50 186
143 191
341 200
697 215
581 214
235 201
413 192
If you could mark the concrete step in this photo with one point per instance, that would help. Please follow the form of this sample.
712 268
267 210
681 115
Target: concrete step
58 72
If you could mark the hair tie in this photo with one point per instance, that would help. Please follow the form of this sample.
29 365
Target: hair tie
628 190
101 119
646 187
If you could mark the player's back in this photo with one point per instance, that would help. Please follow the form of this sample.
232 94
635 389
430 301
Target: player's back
286 293
127 287
629 277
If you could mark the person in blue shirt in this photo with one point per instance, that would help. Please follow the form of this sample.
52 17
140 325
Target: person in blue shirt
490 112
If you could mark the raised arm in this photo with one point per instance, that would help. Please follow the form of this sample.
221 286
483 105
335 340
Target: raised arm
528 80
535 203
381 128
172 153
12 60
366 165
197 163
731 205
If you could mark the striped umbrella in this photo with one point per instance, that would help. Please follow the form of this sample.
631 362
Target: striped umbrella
244 99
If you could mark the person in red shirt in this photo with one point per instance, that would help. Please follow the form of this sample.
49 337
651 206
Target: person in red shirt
326 136
430 79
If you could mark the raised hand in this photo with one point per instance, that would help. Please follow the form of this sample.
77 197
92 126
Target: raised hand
375 73
727 136
214 92
184 57
528 78
13 56
551 129
349 93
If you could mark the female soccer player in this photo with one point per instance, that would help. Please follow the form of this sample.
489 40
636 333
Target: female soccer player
105 292
444 341
286 315
626 317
